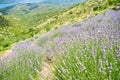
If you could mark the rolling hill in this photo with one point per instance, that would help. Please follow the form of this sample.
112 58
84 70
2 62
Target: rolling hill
29 8
34 22
36 12
23 18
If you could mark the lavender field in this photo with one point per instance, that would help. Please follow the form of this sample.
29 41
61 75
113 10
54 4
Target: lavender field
87 50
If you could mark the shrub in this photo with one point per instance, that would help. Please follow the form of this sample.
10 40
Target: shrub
22 64
47 28
81 63
70 12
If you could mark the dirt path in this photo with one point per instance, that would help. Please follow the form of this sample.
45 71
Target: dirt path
47 67
5 54
47 71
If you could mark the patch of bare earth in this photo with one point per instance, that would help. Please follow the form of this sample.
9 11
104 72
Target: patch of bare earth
5 54
46 72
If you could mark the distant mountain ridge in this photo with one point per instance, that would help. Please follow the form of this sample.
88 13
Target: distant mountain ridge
27 8
41 6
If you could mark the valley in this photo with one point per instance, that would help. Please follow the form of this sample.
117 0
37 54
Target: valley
19 23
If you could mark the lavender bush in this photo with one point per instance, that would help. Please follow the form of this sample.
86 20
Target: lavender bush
88 61
24 60
93 53
87 51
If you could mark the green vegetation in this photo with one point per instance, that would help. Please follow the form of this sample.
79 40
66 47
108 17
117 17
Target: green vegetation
81 62
22 28
16 27
3 22
77 12
43 40
24 64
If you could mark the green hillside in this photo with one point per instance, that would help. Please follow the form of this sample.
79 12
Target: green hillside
28 8
25 25
78 12
33 11
3 22
22 25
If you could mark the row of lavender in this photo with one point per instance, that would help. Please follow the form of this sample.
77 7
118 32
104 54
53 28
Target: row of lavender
103 28
22 64
87 50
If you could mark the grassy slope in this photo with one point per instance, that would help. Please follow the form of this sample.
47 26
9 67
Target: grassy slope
53 20
21 27
75 13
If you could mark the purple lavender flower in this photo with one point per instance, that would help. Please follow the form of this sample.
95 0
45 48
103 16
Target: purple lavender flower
118 53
